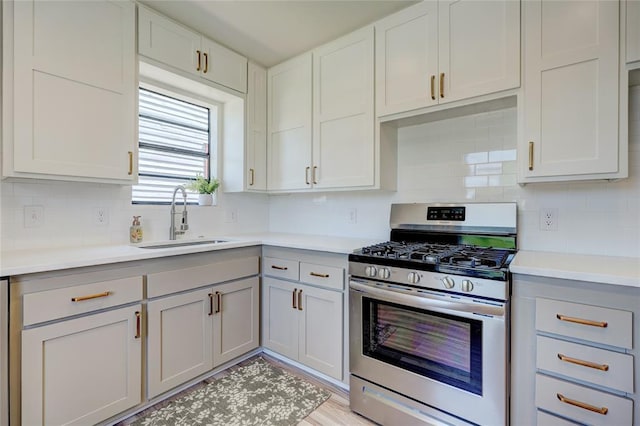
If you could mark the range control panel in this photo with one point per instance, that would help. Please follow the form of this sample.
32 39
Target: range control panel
446 213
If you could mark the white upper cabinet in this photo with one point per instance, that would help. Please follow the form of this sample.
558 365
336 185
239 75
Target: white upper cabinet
168 42
256 145
289 124
343 126
71 84
574 101
438 52
633 30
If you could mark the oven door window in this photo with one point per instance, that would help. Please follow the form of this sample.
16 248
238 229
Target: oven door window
442 347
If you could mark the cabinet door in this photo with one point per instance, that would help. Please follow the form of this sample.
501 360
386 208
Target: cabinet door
82 371
236 322
256 147
224 66
479 47
571 89
343 130
633 30
320 332
289 124
75 89
280 317
165 41
407 59
179 339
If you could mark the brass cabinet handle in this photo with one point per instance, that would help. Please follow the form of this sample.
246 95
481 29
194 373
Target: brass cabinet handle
251 177
442 85
91 296
306 175
198 67
138 325
433 87
599 410
218 302
300 299
601 324
530 155
315 274
602 367
315 180
206 63
210 304
130 172
280 268
293 298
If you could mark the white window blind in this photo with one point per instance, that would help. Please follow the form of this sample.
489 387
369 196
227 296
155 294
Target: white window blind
174 145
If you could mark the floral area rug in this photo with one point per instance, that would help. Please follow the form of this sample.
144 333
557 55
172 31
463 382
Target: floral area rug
255 394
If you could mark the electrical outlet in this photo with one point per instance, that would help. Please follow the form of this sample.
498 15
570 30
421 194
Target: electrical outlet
352 216
548 219
33 216
101 216
231 216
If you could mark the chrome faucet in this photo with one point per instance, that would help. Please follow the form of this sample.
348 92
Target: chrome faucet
183 221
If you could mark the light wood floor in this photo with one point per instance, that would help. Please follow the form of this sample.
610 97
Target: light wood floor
333 412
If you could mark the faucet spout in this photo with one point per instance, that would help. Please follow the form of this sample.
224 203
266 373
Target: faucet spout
184 225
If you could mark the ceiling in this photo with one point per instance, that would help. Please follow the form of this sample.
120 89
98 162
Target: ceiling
268 31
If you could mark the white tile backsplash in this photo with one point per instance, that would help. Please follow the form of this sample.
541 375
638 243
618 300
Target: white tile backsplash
473 158
470 158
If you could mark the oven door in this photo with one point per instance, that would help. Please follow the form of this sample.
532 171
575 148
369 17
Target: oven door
444 350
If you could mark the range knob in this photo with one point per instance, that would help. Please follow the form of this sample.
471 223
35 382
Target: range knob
467 285
384 273
371 271
413 278
448 282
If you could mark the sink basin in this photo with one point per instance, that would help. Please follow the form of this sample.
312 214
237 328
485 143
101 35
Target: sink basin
179 243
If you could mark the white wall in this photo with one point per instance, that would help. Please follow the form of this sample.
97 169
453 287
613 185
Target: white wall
472 158
69 215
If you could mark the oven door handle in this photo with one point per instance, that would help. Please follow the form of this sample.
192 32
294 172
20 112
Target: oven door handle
428 301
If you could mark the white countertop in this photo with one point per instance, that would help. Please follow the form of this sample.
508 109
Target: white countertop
613 270
41 260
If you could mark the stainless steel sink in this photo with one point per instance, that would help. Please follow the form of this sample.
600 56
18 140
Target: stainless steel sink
179 243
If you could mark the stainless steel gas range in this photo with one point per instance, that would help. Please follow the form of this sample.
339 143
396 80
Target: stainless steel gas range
429 316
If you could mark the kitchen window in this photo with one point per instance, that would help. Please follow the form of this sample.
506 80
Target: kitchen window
175 139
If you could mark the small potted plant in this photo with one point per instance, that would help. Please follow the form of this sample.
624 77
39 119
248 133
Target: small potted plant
205 189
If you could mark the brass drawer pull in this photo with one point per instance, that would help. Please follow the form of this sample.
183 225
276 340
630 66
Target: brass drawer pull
138 325
300 299
433 87
91 296
601 324
279 268
210 304
206 63
442 85
599 410
218 302
315 274
293 298
130 172
530 155
602 367
198 67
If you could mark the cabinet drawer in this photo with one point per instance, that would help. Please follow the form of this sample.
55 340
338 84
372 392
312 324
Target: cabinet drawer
322 275
602 325
281 268
583 404
546 419
597 366
162 283
63 302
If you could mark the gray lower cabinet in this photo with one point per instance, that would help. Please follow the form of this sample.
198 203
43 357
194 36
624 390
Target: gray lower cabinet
303 308
574 352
